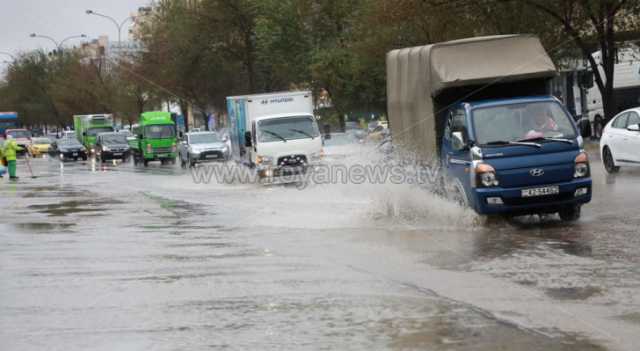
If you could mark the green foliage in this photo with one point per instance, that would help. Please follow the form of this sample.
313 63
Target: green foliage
199 52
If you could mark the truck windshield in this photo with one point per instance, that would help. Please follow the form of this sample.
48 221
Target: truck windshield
160 131
96 131
521 122
19 134
287 128
205 138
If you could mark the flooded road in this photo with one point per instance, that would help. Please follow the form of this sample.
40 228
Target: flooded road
124 258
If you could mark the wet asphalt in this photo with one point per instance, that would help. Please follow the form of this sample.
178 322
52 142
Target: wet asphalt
117 257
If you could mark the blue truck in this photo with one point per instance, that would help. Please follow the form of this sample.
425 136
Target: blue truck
481 107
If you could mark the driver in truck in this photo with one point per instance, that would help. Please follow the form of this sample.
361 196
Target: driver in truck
543 122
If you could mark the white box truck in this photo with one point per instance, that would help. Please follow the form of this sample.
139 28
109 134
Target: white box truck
276 133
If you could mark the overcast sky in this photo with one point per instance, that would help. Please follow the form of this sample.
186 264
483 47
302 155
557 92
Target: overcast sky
58 19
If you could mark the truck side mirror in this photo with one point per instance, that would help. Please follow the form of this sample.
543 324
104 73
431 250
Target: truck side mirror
84 134
247 139
458 141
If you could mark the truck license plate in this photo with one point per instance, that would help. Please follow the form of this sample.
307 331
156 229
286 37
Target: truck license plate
117 154
75 154
544 191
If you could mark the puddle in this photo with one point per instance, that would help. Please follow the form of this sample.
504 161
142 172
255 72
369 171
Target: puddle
44 227
633 317
574 293
61 209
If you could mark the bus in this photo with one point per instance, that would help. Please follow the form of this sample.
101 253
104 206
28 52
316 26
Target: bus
8 120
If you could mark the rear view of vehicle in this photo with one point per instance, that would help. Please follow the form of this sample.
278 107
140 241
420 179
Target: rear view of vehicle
112 146
201 147
154 139
39 146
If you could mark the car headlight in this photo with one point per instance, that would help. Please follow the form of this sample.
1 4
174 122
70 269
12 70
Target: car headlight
225 150
486 176
264 160
581 169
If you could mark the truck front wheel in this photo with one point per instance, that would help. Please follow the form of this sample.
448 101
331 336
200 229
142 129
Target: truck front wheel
570 213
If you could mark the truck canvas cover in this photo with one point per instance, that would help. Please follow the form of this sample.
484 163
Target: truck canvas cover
417 76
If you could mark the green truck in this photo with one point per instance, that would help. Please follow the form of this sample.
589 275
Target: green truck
87 128
154 139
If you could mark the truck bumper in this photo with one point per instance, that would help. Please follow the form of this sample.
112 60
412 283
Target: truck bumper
158 157
510 200
282 175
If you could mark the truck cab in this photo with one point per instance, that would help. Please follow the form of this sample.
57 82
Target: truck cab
154 139
515 156
284 144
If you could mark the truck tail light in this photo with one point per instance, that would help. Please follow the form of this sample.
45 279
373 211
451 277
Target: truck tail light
173 148
149 149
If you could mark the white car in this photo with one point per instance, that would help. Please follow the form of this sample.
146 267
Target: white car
200 147
620 142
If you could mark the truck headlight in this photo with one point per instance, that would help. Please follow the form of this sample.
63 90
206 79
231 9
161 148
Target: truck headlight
105 148
264 160
581 169
486 175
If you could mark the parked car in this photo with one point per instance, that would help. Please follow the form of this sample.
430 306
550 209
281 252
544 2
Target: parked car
199 147
111 146
620 141
68 149
39 146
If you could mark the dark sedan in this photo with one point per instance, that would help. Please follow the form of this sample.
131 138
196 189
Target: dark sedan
68 149
111 146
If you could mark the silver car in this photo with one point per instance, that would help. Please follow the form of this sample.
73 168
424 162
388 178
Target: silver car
200 147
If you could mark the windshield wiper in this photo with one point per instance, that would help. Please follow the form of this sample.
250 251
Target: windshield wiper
562 140
275 135
302 132
518 143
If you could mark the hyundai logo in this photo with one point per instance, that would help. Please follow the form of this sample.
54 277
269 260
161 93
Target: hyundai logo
536 172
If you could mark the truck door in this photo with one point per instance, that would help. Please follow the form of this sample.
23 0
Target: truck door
455 155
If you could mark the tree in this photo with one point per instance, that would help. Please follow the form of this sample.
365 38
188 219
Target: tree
588 21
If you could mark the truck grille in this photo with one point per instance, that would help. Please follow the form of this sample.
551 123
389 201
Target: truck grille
162 150
292 161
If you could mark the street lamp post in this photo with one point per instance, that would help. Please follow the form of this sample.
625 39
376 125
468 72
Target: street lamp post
118 25
55 42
